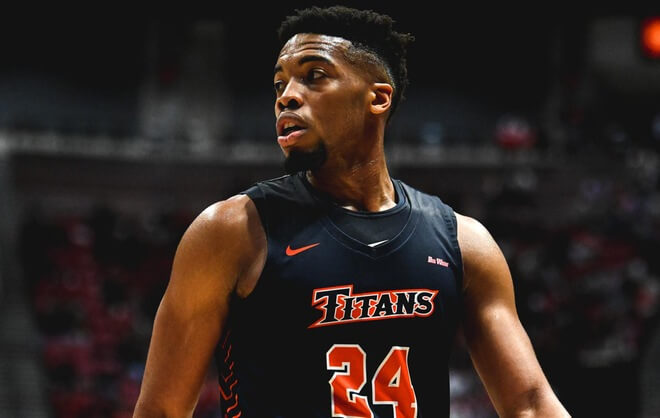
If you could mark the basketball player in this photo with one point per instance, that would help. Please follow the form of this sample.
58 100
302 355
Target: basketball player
337 291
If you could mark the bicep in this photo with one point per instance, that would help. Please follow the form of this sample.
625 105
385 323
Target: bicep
191 315
499 346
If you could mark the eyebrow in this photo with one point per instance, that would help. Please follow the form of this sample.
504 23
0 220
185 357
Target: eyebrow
306 59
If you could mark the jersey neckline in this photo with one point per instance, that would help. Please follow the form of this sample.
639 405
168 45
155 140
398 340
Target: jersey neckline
404 201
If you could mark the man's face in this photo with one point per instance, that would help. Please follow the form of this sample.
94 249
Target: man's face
321 99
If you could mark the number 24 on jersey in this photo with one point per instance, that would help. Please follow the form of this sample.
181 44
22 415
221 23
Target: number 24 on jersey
391 384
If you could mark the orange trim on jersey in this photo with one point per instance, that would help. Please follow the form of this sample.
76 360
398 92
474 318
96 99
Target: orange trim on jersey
224 342
229 376
234 405
225 396
231 387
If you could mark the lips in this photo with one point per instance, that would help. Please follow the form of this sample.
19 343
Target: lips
289 128
291 138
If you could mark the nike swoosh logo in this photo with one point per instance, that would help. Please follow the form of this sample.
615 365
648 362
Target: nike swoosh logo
291 252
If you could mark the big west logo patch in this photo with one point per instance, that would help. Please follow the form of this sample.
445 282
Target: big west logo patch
339 305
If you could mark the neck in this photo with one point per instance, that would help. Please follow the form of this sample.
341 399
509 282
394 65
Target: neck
363 184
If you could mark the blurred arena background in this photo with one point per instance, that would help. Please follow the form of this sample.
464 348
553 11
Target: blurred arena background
116 131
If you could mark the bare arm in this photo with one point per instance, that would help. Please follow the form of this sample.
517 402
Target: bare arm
499 346
222 252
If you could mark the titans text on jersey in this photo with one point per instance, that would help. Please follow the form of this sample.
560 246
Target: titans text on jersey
340 305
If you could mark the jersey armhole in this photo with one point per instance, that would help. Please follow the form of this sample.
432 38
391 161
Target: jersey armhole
258 197
451 222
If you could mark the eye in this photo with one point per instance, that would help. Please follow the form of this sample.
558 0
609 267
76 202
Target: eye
315 74
278 86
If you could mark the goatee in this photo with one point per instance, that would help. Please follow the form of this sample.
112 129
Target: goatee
305 160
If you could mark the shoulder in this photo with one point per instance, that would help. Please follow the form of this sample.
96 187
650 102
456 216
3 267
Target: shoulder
473 236
224 217
483 260
226 237
221 226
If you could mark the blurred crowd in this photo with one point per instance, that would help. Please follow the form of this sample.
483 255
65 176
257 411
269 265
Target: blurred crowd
94 286
587 283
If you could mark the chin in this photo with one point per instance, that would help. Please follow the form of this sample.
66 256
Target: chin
297 160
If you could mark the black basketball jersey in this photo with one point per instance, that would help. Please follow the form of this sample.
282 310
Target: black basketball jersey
338 328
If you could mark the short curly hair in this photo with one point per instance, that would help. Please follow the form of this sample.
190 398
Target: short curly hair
370 33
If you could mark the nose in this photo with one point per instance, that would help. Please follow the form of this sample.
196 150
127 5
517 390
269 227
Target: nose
291 97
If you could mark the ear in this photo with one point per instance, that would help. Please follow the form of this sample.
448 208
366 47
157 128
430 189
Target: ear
380 98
